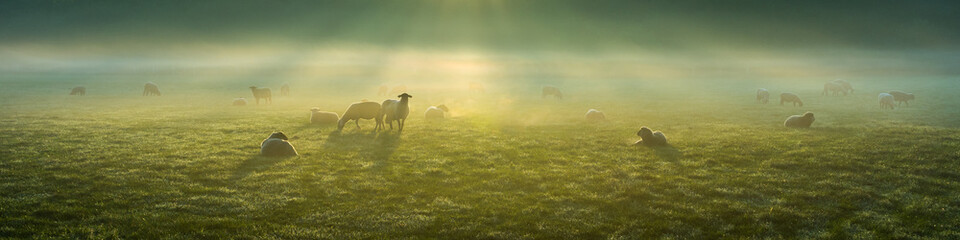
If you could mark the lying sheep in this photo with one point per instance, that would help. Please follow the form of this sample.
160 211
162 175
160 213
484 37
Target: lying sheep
834 88
595 115
285 89
239 101
763 96
263 93
798 121
551 90
79 91
394 110
650 138
886 100
360 110
435 112
790 97
319 117
901 97
277 146
151 89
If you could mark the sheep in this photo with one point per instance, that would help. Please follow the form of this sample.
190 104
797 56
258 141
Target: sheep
263 93
477 87
886 100
650 138
151 89
901 96
285 89
790 97
239 101
319 117
360 110
551 90
846 85
595 115
833 87
79 91
435 112
798 121
383 90
395 110
763 96
277 146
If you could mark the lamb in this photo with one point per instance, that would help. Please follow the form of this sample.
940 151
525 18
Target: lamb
320 117
551 90
650 138
797 121
360 110
395 110
790 97
763 96
846 85
285 89
277 146
239 101
901 96
151 89
833 87
435 112
263 93
886 100
595 115
79 91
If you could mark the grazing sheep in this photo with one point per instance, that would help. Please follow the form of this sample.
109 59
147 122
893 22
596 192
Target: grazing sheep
79 91
435 112
650 138
901 96
360 110
835 88
595 115
396 111
319 117
551 90
239 101
383 90
399 89
763 96
285 89
263 93
151 89
886 100
477 87
277 146
846 85
798 121
790 97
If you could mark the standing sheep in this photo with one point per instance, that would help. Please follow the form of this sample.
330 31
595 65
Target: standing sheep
790 97
396 111
650 138
551 90
763 96
277 146
435 112
797 121
595 115
239 101
833 87
79 91
360 110
886 100
846 85
151 89
901 96
319 117
263 93
285 89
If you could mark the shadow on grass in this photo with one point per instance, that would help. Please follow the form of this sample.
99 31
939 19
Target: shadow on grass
667 152
376 147
254 164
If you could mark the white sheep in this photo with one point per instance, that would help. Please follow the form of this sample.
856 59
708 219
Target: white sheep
151 89
277 146
901 97
79 91
360 110
595 115
320 117
239 101
435 112
763 96
551 90
394 110
263 93
790 97
886 100
798 121
650 138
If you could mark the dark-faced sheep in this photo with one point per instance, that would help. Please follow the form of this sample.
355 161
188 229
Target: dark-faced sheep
360 110
798 121
435 112
791 98
834 88
650 138
900 97
551 91
261 93
321 117
394 110
886 100
151 89
763 96
78 91
277 146
285 89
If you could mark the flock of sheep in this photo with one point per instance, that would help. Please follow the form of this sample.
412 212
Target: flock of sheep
397 110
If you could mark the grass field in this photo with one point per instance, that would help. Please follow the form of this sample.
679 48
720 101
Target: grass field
506 165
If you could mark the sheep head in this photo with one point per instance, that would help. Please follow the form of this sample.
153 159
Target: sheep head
404 95
443 107
279 135
645 132
315 109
